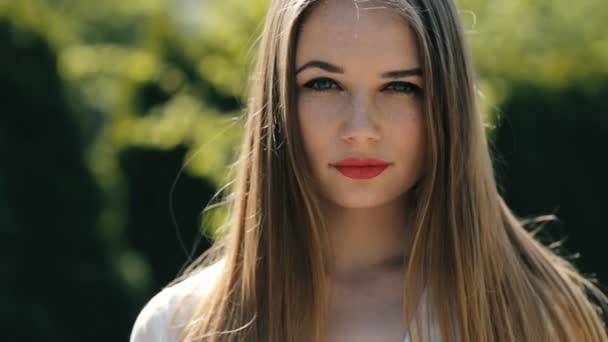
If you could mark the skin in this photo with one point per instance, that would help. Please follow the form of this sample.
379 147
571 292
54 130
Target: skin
359 113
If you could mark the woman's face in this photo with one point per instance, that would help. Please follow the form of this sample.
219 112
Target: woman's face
359 86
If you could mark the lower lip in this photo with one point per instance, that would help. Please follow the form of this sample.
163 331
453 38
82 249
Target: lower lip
361 172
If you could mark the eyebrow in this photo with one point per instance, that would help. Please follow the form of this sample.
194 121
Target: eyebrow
402 73
321 65
335 69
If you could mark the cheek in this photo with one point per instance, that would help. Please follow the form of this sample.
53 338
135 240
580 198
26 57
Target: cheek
317 119
400 110
406 124
320 109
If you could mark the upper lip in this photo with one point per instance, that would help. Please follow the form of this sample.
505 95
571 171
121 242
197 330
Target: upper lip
361 162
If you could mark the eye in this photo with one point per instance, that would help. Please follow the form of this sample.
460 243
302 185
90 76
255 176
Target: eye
321 84
404 87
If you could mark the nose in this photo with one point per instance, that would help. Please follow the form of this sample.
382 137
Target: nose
360 124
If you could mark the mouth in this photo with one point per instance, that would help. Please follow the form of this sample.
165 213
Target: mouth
361 168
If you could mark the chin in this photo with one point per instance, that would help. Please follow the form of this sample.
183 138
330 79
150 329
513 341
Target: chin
352 201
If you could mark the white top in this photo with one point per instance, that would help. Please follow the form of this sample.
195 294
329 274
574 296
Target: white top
155 322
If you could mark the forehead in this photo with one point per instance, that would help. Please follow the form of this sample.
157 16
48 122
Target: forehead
342 30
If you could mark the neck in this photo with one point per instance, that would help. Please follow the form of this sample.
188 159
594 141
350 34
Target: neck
365 241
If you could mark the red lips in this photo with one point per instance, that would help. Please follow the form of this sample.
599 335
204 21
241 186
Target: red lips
361 168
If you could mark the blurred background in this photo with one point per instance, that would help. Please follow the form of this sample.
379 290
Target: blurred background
119 118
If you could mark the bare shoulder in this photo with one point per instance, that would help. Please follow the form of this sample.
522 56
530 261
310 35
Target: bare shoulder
165 314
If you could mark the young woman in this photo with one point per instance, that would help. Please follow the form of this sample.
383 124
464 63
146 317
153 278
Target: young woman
365 206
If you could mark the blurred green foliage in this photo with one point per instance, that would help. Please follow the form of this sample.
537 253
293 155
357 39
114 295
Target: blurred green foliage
120 118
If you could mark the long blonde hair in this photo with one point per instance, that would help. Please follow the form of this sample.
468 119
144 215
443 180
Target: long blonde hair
483 276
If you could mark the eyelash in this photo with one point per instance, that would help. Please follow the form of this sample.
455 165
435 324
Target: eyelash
410 87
